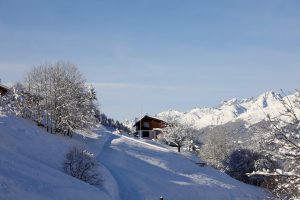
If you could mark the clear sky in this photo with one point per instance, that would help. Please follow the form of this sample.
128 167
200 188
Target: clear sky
150 56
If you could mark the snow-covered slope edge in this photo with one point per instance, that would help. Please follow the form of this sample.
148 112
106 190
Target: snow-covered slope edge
251 111
147 171
31 164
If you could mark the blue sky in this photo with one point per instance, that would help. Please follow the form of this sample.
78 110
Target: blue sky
150 56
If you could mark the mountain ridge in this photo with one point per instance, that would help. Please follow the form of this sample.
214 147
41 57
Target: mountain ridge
251 110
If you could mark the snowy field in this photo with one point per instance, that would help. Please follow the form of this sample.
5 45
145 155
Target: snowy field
31 168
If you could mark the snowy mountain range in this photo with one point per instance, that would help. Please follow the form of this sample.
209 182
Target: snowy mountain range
251 111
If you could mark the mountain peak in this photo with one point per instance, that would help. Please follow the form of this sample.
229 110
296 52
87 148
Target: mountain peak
251 110
271 94
268 98
231 101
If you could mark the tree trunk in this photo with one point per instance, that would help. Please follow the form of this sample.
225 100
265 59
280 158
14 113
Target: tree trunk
47 123
178 147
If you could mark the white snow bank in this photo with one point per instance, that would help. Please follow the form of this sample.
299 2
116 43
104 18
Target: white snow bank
31 164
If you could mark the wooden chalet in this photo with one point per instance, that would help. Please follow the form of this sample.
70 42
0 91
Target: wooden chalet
149 127
3 90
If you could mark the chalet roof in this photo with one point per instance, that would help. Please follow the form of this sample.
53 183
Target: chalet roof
149 118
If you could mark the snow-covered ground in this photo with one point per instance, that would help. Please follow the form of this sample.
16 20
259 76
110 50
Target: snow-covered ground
31 164
145 171
31 168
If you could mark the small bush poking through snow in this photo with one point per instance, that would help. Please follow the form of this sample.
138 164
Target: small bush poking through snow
241 162
81 164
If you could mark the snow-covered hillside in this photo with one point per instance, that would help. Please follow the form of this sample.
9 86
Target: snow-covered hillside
31 168
147 172
31 164
251 111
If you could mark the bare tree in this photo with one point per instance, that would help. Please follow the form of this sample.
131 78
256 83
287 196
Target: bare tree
217 145
178 134
59 99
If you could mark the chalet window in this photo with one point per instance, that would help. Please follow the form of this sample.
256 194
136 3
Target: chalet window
146 125
145 133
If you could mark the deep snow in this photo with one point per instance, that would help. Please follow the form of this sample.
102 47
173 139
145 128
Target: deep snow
145 172
31 168
31 164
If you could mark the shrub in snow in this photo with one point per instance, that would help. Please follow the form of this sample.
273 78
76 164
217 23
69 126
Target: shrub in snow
81 164
241 162
13 101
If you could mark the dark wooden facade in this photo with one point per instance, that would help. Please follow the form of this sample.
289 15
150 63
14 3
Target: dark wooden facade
3 90
149 123
149 127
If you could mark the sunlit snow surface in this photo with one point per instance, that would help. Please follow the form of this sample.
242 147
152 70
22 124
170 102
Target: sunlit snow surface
31 168
31 164
144 171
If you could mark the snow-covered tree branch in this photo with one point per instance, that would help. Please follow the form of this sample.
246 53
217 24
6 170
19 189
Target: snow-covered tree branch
178 134
282 144
217 145
56 97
